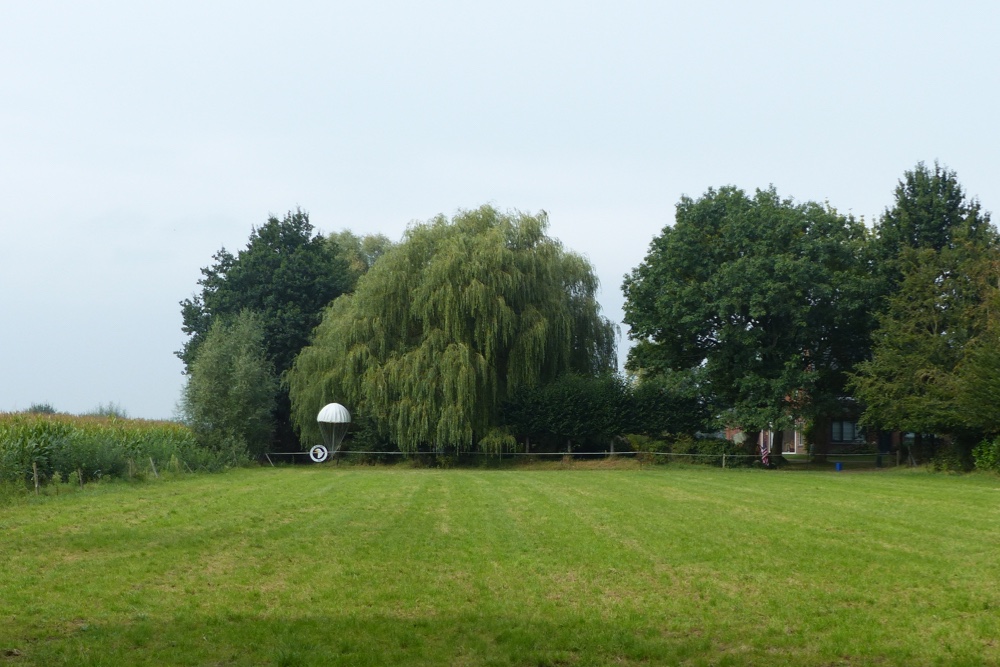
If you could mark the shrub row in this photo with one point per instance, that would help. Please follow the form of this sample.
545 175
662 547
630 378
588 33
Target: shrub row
685 448
96 447
987 455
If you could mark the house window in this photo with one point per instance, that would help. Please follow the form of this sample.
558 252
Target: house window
845 432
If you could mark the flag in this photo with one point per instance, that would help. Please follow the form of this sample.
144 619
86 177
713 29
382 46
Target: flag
764 450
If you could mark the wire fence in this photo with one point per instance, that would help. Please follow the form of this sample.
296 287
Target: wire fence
725 460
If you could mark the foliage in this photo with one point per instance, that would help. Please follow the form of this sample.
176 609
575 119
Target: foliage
578 409
358 252
767 300
930 211
933 349
41 409
229 398
364 438
94 447
978 375
639 442
979 370
909 384
710 451
987 455
497 441
448 324
582 410
669 402
286 275
112 409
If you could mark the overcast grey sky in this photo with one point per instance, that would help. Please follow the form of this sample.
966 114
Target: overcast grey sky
136 139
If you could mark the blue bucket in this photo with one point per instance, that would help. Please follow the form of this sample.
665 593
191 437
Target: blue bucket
840 466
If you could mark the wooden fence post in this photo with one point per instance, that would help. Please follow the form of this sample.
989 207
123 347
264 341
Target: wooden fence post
34 469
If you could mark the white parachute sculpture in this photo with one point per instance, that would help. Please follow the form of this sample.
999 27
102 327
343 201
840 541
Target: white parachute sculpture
333 421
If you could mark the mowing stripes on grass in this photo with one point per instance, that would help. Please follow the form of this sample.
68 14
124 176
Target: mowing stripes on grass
667 565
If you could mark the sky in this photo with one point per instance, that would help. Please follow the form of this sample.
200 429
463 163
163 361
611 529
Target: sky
137 139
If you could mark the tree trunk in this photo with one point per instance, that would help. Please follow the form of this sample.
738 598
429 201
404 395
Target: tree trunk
917 448
819 439
777 445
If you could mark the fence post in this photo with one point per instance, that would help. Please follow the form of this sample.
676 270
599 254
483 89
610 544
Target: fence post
34 469
152 463
723 461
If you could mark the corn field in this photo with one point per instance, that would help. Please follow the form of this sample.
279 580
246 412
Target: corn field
59 448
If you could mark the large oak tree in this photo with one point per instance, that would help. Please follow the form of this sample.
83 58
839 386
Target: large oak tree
766 299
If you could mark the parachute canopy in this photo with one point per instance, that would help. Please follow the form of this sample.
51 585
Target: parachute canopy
333 421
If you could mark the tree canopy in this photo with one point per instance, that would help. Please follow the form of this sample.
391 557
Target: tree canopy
934 340
357 252
448 323
229 398
286 275
909 384
933 357
766 299
932 211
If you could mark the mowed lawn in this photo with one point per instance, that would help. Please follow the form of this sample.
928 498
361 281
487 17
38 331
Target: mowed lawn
394 566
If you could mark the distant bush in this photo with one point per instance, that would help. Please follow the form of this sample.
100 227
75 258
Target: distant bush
646 447
646 444
112 409
688 449
366 444
987 455
97 447
41 409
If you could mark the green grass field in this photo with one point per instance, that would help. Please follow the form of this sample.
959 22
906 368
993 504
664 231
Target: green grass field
393 566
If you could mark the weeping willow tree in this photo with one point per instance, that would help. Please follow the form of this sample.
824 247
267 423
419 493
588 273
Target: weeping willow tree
447 324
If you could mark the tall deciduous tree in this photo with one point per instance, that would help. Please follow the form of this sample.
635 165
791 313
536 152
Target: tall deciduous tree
930 211
909 384
229 398
765 298
448 323
287 275
979 382
935 248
